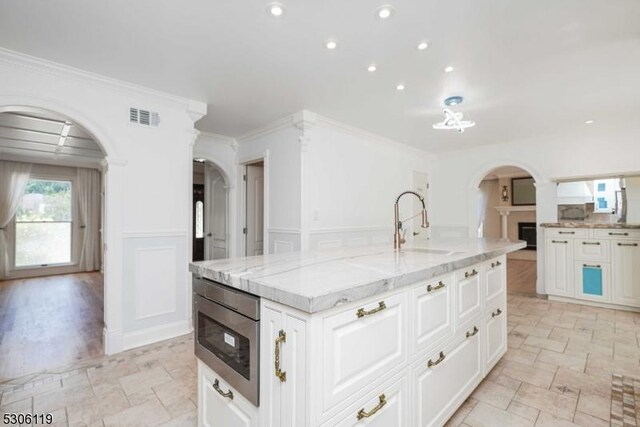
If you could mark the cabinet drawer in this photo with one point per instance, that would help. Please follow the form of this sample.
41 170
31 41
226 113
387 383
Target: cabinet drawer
468 294
443 380
384 406
362 344
495 281
495 335
592 281
433 312
218 408
613 233
567 232
591 249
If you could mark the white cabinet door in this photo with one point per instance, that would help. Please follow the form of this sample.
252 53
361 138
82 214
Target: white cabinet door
559 267
495 335
432 312
294 359
468 294
385 406
442 381
270 385
625 272
592 281
362 344
221 406
495 281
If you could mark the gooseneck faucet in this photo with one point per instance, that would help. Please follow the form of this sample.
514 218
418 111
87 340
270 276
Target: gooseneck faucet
398 239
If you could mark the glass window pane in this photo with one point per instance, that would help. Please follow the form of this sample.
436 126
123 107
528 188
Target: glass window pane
199 220
45 201
43 243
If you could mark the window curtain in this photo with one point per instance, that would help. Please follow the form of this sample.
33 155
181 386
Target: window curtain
14 177
483 203
88 198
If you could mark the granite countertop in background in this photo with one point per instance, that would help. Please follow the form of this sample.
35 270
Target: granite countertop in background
588 225
315 281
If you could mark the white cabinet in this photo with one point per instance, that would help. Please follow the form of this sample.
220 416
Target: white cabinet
495 281
625 272
282 382
495 335
432 312
361 344
442 381
468 294
221 406
559 265
592 281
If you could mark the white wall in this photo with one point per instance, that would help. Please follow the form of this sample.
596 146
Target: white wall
633 199
581 152
147 286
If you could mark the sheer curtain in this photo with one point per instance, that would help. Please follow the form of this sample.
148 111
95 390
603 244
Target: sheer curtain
88 197
483 203
14 177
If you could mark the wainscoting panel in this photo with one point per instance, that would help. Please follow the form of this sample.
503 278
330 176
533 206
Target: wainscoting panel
283 240
154 266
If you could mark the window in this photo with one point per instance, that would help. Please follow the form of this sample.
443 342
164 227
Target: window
43 224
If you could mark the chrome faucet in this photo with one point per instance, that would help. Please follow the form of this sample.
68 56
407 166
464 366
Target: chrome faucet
398 239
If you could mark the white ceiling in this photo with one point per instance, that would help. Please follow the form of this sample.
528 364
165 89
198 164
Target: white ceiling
526 68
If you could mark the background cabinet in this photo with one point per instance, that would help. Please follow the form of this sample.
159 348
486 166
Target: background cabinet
559 265
592 281
625 272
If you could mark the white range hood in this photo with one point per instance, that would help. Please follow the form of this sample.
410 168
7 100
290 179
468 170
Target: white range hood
574 193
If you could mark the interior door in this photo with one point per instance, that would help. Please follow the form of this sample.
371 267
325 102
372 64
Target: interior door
198 222
420 186
255 210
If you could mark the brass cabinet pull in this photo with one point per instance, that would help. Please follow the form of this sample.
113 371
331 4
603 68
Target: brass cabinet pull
216 386
618 234
473 273
282 338
627 244
591 265
559 241
496 313
361 312
496 264
431 363
472 333
432 288
382 400
566 232
591 243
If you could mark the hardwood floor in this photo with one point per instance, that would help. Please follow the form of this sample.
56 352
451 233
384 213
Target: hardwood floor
521 277
48 322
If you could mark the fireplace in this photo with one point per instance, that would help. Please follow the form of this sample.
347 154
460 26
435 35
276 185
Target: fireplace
527 231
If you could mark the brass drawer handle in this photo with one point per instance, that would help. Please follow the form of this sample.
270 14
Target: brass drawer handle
591 243
361 312
627 244
496 313
473 273
496 264
559 241
282 338
216 386
472 333
432 288
618 234
431 363
382 400
566 232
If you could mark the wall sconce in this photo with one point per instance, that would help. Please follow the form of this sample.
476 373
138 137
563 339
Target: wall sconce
505 193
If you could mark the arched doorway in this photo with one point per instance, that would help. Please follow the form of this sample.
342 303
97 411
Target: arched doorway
504 201
52 240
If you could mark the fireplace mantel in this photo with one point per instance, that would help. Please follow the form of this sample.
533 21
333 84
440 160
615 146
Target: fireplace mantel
504 213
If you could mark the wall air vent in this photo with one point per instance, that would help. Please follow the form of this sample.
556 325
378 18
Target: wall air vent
143 117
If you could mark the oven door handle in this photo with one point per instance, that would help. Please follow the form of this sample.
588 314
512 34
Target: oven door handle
216 386
282 338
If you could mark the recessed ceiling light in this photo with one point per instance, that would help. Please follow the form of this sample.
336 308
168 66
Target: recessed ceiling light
400 86
448 69
384 12
588 122
423 45
331 44
275 9
371 68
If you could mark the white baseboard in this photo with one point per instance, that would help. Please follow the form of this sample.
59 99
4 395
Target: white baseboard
158 333
112 341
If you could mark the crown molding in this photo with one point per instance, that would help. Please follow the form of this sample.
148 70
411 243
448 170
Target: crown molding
219 139
272 127
43 66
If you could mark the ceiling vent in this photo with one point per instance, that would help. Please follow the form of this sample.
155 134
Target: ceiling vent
143 117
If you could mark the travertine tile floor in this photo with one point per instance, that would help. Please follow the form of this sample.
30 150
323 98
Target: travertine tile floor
567 365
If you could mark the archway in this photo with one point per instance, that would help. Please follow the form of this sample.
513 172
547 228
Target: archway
67 177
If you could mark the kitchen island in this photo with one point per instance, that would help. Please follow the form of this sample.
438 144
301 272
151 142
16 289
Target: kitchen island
367 335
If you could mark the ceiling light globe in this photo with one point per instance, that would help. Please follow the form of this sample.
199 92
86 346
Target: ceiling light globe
423 45
400 87
372 68
331 44
448 69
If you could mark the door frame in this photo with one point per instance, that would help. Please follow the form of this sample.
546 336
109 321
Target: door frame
242 203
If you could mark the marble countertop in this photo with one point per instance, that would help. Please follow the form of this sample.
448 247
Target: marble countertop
588 225
316 281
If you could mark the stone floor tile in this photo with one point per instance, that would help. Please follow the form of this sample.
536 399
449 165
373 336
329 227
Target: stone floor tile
582 419
561 405
559 332
60 399
591 348
521 356
484 415
144 379
576 361
508 382
581 382
14 396
548 420
528 374
533 331
151 413
96 408
523 411
555 344
494 394
595 405
187 420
